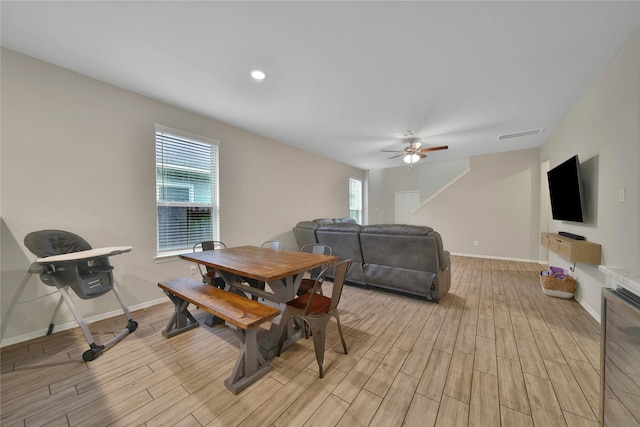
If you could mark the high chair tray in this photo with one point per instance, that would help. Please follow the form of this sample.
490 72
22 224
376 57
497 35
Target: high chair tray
91 253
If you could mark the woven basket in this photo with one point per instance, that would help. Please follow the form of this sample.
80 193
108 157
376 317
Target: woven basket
561 288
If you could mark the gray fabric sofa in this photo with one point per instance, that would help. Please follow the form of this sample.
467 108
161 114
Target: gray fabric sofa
404 258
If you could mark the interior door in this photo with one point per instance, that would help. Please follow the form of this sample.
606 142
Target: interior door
406 201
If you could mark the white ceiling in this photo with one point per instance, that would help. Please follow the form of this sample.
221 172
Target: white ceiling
342 76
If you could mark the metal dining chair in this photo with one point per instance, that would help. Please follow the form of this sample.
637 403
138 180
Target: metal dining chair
211 276
273 244
316 310
306 285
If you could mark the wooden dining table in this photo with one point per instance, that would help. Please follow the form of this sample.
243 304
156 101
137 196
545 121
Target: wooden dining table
281 270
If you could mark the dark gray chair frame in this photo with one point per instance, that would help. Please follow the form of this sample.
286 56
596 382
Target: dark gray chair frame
316 310
210 276
307 284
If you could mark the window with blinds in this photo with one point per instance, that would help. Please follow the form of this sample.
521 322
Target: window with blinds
355 199
188 210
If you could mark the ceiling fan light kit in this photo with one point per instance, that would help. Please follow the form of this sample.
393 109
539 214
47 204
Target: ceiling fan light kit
257 74
411 158
412 153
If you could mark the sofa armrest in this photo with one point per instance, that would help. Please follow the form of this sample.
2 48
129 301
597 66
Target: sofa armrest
445 260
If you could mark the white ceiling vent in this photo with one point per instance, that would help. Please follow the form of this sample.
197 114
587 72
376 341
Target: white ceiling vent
407 133
519 134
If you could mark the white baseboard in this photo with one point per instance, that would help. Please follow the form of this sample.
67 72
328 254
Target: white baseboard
589 309
70 325
536 261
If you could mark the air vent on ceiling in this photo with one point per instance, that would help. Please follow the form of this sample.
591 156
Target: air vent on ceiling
519 134
407 133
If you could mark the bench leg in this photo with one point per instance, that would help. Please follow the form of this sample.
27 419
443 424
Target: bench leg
182 320
250 364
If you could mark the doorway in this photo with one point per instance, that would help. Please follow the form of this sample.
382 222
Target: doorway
406 201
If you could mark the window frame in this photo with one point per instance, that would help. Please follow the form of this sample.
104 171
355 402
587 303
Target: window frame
214 171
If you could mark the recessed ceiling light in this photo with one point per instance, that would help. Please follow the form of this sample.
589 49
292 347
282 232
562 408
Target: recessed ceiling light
258 74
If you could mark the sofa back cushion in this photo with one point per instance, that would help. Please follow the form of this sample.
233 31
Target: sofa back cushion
397 229
345 220
335 220
323 220
405 246
344 241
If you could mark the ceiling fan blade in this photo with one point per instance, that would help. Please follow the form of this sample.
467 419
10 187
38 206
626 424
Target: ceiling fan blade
424 150
422 156
393 157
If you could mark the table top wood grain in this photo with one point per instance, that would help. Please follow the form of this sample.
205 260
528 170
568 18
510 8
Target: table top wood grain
262 264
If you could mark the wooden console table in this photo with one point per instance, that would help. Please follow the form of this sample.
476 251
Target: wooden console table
572 250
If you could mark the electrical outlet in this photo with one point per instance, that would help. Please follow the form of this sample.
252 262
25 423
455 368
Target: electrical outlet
475 243
194 270
622 195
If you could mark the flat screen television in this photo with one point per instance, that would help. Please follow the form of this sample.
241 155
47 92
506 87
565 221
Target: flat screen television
565 190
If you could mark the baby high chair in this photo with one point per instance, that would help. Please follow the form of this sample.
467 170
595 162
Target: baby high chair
66 260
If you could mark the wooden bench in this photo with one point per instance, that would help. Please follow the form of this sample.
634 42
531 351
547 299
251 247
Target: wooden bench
243 314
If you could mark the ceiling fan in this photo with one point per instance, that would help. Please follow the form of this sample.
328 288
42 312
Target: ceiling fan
412 153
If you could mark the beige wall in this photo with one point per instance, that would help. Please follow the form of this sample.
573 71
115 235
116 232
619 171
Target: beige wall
426 178
383 183
503 202
495 204
78 155
603 129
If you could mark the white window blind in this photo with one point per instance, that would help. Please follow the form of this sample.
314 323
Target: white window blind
188 210
355 199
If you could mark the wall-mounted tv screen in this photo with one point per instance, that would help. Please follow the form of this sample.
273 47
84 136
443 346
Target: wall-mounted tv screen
565 190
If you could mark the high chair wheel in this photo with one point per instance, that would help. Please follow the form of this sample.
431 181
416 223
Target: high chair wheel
90 354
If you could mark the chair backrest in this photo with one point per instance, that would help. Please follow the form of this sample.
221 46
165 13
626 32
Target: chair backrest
208 245
46 243
316 248
87 277
339 273
273 244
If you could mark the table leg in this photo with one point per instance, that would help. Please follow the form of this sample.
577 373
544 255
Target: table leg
282 291
286 290
250 364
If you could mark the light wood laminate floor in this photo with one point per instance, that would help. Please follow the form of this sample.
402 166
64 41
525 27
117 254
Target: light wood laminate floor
495 352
